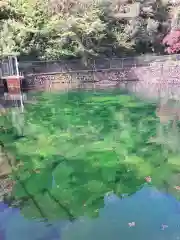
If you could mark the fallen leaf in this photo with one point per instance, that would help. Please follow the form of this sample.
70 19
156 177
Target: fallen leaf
148 179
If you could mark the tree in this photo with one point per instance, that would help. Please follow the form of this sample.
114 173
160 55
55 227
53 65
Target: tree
74 28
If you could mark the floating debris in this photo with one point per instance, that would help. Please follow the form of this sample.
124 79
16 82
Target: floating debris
164 226
148 179
132 224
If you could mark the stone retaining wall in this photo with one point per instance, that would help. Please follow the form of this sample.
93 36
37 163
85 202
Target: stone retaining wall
151 76
152 80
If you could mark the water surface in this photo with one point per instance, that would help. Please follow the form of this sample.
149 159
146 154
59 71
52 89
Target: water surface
94 165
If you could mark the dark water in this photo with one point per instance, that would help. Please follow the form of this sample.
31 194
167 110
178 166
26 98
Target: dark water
147 214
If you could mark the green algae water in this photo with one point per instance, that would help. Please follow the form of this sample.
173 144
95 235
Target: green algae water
79 146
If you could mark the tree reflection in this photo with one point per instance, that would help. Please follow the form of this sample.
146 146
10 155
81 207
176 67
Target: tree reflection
77 147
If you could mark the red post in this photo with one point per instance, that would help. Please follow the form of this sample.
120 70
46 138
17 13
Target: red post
14 85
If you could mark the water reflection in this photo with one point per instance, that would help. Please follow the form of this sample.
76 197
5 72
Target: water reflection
155 216
14 226
77 147
147 214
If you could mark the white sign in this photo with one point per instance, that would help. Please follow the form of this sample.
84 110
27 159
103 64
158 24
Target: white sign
128 10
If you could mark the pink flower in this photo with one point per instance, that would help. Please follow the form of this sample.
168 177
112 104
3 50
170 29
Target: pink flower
172 38
173 41
148 179
132 224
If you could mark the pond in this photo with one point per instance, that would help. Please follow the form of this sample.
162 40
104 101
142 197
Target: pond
92 165
147 214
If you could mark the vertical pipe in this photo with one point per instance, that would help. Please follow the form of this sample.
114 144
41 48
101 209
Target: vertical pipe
17 73
16 65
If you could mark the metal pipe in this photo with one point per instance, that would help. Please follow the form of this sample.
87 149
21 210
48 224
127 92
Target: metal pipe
17 73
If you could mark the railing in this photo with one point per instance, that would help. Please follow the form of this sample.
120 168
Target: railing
9 67
35 67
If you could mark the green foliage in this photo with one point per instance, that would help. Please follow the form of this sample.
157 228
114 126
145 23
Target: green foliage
76 28
91 144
